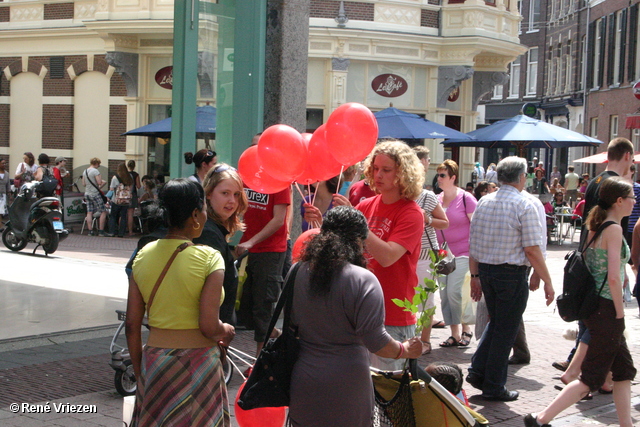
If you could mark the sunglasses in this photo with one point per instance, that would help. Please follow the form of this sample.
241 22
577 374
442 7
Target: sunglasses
442 175
223 168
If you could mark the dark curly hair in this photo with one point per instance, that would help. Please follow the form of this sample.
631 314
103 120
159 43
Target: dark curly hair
178 199
448 374
338 243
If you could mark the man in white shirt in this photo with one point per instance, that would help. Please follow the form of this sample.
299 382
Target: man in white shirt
571 181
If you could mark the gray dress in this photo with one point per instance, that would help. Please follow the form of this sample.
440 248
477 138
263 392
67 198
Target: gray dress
331 384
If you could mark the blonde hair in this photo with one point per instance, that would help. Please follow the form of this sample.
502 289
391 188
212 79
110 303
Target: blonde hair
410 175
218 173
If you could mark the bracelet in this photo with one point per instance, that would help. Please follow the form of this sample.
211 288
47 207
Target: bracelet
401 352
475 275
430 220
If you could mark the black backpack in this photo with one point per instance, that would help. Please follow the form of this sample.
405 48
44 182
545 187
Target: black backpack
579 298
49 183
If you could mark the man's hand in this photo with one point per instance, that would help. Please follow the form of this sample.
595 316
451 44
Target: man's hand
312 214
534 282
242 248
476 289
549 293
340 200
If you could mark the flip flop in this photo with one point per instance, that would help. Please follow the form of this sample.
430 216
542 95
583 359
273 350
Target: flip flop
439 324
426 347
449 342
466 339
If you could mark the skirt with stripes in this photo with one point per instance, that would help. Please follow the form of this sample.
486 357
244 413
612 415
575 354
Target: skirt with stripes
181 387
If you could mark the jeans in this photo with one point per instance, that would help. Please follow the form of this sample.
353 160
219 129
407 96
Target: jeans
506 293
118 212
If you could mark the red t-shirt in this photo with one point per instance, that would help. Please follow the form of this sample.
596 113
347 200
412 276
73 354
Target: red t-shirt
58 176
400 222
259 213
360 191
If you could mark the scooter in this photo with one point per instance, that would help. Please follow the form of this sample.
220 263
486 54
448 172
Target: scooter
34 220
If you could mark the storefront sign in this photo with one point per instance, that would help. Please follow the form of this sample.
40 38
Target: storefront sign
454 95
389 85
636 90
164 77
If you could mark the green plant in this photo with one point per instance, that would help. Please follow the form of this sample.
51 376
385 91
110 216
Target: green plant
418 304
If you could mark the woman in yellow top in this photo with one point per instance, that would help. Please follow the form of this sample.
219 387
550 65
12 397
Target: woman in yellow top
180 381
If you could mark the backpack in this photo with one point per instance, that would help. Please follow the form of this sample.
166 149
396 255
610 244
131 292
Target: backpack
122 194
49 183
579 298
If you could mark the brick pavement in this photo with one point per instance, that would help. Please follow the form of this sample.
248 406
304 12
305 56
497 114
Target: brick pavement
534 381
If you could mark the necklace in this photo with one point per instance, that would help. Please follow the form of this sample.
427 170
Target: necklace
169 236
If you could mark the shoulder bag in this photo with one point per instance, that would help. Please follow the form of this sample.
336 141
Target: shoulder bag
104 198
446 265
270 380
579 298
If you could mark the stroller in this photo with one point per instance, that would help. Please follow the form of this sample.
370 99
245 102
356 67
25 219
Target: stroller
412 398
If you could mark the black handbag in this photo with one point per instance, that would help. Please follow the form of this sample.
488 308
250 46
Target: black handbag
446 265
269 382
579 298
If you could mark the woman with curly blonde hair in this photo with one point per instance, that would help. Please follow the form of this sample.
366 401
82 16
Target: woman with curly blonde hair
396 223
226 203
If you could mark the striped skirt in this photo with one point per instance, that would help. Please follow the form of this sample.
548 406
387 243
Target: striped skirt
181 387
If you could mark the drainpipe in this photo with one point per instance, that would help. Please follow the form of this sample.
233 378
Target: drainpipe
587 121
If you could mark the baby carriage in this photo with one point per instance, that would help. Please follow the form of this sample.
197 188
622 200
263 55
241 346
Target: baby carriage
412 398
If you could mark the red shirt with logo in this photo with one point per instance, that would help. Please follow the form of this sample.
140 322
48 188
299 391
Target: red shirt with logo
400 222
360 191
259 213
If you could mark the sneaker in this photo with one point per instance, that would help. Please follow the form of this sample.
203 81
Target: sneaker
92 233
530 420
561 366
105 234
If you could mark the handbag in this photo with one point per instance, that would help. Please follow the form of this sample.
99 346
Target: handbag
104 198
446 265
270 379
579 298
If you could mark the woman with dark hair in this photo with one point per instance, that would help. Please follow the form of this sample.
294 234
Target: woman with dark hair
331 382
131 165
122 187
226 203
482 189
322 199
26 170
203 160
607 351
179 373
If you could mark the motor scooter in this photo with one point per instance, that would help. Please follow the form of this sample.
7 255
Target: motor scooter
34 220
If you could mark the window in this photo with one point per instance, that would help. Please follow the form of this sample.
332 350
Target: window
613 128
635 137
532 71
559 72
617 45
594 127
497 92
514 80
534 15
520 21
568 73
582 63
596 54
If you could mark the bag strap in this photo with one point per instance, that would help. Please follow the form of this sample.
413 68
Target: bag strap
91 182
179 249
286 301
598 232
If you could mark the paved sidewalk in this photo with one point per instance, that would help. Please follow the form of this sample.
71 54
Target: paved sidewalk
74 370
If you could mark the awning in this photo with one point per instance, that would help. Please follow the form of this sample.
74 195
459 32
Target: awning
633 121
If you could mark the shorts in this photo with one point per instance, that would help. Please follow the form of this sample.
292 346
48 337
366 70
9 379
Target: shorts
95 203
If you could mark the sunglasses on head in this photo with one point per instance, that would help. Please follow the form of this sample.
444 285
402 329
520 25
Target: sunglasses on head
223 168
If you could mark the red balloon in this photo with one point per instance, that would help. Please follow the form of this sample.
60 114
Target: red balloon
282 152
260 417
254 176
301 243
322 165
352 132
306 177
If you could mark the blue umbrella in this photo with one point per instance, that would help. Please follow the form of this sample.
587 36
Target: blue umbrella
205 125
523 132
394 123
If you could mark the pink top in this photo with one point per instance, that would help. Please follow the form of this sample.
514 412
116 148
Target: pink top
457 235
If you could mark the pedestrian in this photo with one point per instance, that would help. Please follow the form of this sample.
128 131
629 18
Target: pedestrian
540 186
25 170
5 190
92 181
608 351
492 175
203 160
122 188
149 191
338 310
555 174
45 175
59 172
322 198
131 165
181 362
396 225
571 181
459 207
226 203
265 239
505 239
482 189
635 214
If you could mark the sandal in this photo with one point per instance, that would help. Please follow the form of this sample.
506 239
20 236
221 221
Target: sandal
450 342
466 339
439 324
426 347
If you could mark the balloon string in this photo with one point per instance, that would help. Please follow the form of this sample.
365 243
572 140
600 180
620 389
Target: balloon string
295 184
339 176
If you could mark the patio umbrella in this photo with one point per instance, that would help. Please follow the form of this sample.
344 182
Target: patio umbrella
523 132
394 123
602 158
205 125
